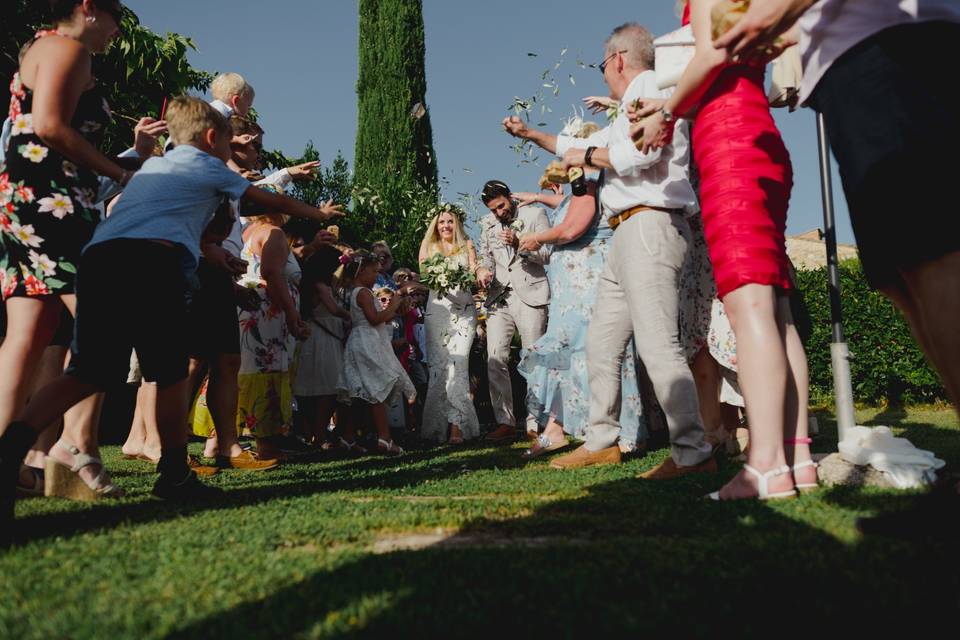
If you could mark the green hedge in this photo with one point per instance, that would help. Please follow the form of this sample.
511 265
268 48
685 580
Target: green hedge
887 365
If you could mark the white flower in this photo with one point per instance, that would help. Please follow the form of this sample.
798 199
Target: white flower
42 262
517 225
442 281
23 124
58 204
69 169
33 152
25 234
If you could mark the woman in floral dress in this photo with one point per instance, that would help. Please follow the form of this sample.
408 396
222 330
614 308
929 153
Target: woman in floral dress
451 323
555 366
48 186
268 335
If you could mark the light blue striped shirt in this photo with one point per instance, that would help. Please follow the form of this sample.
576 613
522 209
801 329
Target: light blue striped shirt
172 197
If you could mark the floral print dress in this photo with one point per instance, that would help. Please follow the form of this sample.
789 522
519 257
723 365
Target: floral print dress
47 203
266 357
555 366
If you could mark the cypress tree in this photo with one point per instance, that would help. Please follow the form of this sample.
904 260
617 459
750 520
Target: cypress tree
394 150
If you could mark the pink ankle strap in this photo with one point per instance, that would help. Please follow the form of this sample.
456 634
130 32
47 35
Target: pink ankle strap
798 441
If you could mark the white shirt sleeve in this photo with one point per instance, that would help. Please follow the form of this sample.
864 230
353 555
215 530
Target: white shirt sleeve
627 161
280 178
599 139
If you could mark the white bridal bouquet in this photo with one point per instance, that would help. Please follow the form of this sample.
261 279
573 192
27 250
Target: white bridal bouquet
442 274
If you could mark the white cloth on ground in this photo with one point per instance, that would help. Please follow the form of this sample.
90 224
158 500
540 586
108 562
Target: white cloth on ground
904 464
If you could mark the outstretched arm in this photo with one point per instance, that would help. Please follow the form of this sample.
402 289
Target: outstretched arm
575 223
292 206
519 129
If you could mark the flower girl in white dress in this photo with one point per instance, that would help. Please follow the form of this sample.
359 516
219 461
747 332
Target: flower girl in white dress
371 371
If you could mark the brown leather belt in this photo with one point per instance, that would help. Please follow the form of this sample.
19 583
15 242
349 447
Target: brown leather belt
620 218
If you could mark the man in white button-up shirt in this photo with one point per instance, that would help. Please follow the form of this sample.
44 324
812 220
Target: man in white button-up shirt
644 197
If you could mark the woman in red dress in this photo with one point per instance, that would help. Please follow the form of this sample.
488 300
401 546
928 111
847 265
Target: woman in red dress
745 185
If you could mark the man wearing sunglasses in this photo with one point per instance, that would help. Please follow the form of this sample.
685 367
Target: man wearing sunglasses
644 197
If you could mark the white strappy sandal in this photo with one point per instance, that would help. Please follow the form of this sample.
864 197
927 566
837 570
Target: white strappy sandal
764 480
803 487
64 481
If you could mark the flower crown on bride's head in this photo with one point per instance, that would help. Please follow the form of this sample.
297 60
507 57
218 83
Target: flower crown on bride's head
446 207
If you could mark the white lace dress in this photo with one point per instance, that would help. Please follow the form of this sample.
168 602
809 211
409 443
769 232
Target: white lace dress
450 323
371 371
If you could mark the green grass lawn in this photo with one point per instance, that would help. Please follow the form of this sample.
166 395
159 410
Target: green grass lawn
462 543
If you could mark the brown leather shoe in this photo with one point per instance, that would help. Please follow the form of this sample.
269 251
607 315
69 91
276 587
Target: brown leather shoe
247 461
199 468
668 469
502 434
583 457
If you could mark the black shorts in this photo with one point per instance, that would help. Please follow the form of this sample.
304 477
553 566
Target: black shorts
64 334
894 128
214 327
130 295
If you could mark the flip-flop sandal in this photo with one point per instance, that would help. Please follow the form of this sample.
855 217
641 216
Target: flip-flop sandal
544 446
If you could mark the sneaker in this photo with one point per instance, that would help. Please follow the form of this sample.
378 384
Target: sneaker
246 461
190 489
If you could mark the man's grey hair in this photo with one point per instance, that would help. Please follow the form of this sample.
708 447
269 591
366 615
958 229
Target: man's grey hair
637 43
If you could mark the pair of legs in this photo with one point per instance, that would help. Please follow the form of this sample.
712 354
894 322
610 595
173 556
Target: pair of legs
720 420
639 297
31 324
320 410
772 369
144 436
222 398
381 423
502 324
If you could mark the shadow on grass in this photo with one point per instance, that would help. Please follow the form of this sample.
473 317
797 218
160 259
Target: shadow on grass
629 557
369 473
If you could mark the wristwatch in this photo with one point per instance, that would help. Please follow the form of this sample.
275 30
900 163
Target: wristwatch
588 156
668 116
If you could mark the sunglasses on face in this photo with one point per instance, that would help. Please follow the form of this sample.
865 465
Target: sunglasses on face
386 299
603 65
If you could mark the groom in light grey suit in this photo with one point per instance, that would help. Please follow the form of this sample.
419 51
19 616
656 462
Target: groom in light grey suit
523 308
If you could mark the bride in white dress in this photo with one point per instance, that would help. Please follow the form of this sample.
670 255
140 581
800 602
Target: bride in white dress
451 324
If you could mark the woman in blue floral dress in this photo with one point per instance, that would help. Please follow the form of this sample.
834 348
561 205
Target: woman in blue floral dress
555 366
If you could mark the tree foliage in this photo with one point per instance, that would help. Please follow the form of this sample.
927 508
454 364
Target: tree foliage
886 365
139 70
395 164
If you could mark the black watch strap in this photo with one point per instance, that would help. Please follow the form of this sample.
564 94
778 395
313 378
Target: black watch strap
588 156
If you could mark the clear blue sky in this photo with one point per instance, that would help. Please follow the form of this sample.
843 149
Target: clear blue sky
301 56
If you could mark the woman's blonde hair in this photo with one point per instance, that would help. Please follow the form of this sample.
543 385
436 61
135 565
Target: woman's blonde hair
431 240
276 219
